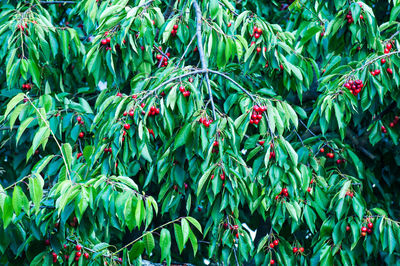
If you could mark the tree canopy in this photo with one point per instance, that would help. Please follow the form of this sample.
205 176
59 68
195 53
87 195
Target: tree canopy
188 131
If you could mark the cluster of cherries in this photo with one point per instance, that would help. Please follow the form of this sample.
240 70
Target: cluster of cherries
355 86
388 48
108 150
296 250
257 32
205 122
174 30
367 229
257 114
375 72
154 111
350 194
27 86
131 113
80 120
215 147
184 92
284 192
395 121
349 16
383 129
272 152
151 132
106 42
233 228
163 59
274 243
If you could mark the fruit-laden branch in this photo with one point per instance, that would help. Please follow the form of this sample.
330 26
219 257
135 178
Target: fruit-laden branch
388 109
201 53
161 52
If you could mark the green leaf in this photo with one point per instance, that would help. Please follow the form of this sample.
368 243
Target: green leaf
291 211
11 104
149 242
136 250
165 243
7 211
19 201
179 237
195 223
182 136
67 153
22 127
36 184
185 230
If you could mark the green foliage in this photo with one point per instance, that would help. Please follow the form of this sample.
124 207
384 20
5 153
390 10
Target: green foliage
130 130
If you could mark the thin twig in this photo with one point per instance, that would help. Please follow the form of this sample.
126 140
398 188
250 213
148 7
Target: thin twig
232 11
184 53
201 53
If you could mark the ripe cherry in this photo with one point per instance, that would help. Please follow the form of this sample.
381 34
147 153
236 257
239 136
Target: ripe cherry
347 228
261 142
81 134
301 249
258 50
272 262
370 225
389 71
271 245
229 24
363 229
295 250
276 242
389 46
175 27
383 61
103 41
47 242
322 150
186 186
363 233
125 113
86 255
79 119
127 126
308 189
78 248
108 40
391 124
386 51
285 190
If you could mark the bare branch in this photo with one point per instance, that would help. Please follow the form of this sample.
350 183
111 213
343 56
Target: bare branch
201 53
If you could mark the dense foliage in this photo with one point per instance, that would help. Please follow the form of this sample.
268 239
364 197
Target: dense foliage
171 130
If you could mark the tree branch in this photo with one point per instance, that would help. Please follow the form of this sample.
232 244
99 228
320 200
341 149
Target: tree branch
201 53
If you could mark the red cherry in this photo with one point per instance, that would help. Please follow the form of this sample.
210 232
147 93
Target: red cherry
47 242
389 46
78 248
103 41
81 134
281 66
347 228
65 246
363 229
272 262
301 249
127 126
276 242
222 177
389 71
261 142
125 113
86 255
295 250
271 245
131 113
108 39
284 190
199 208
258 50
256 35
229 24
309 189
186 186
369 231
54 254
175 27
322 150
386 51
377 72
370 225
383 61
